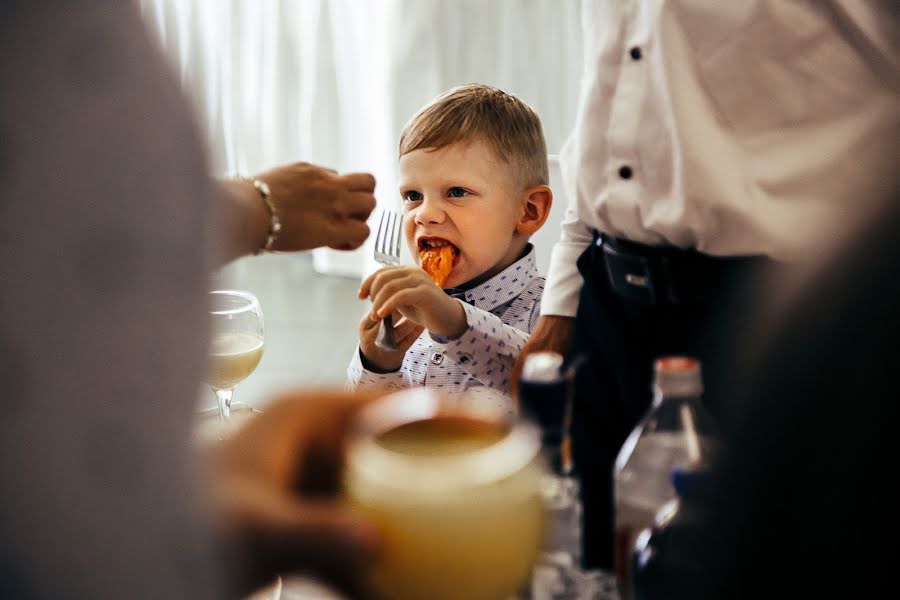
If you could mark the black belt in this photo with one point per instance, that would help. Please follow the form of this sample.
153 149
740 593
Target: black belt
665 274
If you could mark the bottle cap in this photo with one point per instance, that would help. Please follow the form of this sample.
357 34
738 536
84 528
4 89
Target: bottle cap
677 376
542 367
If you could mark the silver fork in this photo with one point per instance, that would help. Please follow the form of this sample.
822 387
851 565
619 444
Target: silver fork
387 252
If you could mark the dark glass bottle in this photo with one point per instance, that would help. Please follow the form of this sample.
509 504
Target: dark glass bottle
544 397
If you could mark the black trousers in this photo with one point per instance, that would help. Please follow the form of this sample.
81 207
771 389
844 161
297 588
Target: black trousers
619 337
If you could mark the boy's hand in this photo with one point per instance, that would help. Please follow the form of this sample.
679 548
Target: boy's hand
411 292
378 359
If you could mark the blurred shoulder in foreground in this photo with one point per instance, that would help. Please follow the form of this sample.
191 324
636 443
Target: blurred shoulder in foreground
801 507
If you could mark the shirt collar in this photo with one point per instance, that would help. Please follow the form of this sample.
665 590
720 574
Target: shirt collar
502 287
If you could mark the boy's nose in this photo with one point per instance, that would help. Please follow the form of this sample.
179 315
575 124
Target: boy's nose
429 212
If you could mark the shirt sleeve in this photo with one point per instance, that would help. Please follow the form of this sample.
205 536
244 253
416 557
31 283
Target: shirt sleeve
563 279
487 350
359 377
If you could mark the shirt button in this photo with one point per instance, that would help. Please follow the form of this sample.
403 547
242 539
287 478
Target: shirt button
625 172
465 359
635 53
437 358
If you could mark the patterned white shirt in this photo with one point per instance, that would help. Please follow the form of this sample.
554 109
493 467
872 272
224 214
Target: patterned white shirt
501 312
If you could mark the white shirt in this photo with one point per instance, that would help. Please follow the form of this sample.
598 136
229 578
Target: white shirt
500 312
747 127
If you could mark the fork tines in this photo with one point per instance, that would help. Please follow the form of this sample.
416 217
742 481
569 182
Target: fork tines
387 240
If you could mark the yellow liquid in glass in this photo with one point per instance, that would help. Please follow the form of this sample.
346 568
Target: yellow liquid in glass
233 356
476 543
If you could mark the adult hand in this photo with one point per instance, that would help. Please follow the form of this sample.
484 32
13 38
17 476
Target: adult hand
276 497
552 333
319 207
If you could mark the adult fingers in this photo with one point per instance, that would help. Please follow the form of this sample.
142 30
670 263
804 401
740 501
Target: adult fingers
268 446
337 548
349 235
303 167
316 537
552 333
356 205
358 182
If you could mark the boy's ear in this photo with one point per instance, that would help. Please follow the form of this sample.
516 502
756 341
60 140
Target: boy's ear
536 208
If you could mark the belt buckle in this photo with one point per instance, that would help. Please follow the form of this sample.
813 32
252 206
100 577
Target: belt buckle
630 275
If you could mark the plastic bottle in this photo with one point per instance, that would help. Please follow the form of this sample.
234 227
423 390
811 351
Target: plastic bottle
677 432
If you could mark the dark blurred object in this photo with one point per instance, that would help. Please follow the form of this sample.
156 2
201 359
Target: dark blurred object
656 559
802 505
545 396
542 396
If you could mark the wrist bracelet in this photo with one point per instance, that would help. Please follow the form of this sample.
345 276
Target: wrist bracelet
274 222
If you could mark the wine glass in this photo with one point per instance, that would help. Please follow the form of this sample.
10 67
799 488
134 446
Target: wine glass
454 488
237 343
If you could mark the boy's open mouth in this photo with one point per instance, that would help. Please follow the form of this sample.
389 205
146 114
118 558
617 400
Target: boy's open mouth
437 257
435 242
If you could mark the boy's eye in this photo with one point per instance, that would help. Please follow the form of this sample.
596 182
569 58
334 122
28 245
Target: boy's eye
456 192
412 196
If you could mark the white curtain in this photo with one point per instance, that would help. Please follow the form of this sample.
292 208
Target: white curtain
333 81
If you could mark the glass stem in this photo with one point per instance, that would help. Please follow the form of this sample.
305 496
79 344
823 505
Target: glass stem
224 398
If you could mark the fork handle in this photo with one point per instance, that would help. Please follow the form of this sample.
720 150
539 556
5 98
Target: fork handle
385 338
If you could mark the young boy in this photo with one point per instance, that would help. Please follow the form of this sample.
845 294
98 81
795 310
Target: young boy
473 182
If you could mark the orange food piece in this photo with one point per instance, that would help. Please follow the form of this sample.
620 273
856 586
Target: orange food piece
437 262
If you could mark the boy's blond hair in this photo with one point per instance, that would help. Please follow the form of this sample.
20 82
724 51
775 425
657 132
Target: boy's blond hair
480 112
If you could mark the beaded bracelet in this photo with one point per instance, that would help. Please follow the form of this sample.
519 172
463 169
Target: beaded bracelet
274 222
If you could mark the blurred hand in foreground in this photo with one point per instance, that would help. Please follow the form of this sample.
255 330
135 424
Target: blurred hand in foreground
276 493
